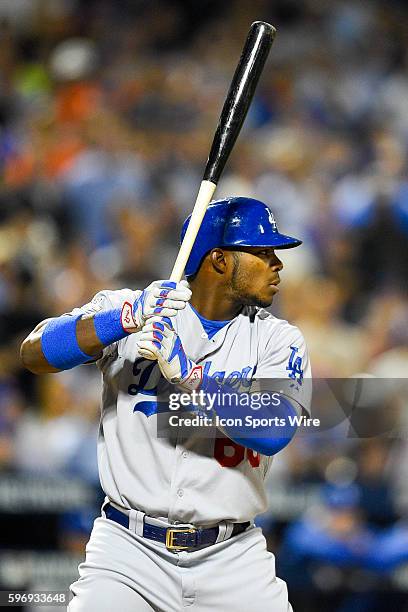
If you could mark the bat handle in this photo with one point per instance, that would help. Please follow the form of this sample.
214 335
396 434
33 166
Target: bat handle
204 197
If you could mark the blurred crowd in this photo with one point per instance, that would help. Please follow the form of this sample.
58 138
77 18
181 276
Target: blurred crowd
107 111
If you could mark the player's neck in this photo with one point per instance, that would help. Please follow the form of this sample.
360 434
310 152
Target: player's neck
214 305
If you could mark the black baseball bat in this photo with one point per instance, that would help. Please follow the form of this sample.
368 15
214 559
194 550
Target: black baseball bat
239 97
236 105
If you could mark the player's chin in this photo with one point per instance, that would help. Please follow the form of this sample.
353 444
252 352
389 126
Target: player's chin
267 296
265 303
262 300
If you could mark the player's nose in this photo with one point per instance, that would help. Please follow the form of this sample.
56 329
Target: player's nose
275 263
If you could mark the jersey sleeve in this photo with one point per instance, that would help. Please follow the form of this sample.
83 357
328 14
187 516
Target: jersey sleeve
285 367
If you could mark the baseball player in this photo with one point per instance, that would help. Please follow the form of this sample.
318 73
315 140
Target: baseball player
177 529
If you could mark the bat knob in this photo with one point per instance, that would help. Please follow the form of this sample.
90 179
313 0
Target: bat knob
265 27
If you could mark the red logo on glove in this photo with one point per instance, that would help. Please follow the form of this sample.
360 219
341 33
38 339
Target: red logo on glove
193 380
126 318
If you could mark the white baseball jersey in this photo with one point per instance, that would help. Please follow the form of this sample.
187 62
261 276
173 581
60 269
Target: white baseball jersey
198 480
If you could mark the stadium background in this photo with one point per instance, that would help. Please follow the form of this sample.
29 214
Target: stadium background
107 110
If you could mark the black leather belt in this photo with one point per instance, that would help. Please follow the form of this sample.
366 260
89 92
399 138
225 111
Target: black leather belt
175 538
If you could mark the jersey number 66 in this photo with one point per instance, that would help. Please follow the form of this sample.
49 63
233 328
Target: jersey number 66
230 454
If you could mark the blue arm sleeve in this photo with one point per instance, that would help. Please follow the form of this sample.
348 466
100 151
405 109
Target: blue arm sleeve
266 429
59 343
276 436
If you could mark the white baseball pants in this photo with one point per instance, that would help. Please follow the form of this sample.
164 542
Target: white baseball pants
125 572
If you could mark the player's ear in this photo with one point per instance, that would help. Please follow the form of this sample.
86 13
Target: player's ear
218 260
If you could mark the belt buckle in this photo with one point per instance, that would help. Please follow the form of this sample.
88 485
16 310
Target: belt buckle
170 537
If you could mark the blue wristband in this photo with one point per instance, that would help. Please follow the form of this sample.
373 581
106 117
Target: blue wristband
108 326
60 345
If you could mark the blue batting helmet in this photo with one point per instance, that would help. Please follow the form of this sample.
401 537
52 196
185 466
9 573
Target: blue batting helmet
235 222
